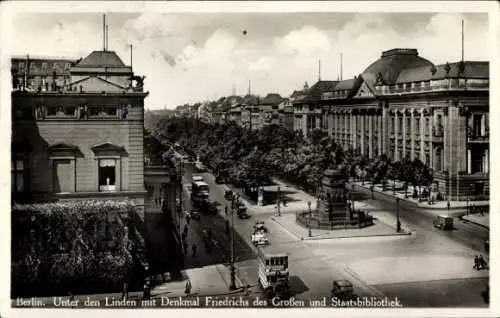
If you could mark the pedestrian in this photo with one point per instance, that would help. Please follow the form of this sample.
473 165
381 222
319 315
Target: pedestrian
476 263
482 262
194 250
188 287
147 290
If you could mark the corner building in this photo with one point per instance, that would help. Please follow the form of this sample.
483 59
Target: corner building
404 105
80 138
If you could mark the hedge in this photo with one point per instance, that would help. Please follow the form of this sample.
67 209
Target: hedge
76 246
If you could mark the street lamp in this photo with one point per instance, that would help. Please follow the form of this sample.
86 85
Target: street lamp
234 206
398 223
310 216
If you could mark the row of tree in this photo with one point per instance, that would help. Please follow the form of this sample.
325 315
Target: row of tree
249 158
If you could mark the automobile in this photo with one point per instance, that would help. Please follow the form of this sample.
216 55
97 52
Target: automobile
228 195
195 215
258 225
343 289
219 180
443 222
212 208
243 215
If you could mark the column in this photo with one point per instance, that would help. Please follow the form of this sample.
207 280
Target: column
486 161
351 130
396 134
412 136
335 125
446 139
469 166
422 136
346 131
362 141
483 125
383 125
379 123
431 144
370 134
404 130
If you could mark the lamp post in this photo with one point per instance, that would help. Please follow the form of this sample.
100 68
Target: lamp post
232 284
310 216
398 224
278 202
179 212
371 189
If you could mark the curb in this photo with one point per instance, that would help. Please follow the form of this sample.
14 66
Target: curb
476 223
353 274
408 202
321 237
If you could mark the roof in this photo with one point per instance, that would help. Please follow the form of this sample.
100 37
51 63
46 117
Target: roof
392 63
101 59
315 91
471 69
346 84
272 99
250 100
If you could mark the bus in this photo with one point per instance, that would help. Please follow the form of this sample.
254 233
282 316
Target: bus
200 187
273 272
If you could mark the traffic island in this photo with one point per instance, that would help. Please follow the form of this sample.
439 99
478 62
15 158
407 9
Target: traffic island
377 229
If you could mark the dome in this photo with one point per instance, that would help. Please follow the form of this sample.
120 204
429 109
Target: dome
393 62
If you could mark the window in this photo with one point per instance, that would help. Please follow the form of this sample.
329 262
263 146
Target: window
110 111
52 110
93 111
63 175
44 65
427 159
70 111
107 174
17 175
21 65
67 66
32 66
55 66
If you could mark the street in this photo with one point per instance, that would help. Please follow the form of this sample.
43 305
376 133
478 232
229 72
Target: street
428 268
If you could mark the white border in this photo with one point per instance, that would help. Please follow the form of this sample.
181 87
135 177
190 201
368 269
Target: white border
7 9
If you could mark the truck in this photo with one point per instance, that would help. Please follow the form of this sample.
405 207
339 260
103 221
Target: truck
260 234
274 277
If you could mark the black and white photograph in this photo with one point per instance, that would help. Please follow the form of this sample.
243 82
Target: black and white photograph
247 157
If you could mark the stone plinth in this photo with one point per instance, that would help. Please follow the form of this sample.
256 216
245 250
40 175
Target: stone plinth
332 209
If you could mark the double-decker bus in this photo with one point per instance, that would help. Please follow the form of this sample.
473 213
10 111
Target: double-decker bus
273 272
199 193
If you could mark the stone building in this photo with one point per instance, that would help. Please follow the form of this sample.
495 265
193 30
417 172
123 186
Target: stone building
80 136
403 105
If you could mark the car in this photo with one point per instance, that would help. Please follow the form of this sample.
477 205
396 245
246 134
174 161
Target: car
243 215
193 214
219 180
228 195
343 289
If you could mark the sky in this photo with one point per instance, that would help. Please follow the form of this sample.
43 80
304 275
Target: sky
192 57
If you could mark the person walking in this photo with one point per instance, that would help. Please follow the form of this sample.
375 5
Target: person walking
188 287
193 248
476 263
482 262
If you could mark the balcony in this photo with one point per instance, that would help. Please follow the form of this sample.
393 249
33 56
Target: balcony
478 138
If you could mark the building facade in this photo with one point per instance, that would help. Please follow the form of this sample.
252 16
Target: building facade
403 105
79 136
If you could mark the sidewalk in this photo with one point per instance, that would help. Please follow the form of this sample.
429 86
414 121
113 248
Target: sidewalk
211 280
299 203
482 220
380 228
437 207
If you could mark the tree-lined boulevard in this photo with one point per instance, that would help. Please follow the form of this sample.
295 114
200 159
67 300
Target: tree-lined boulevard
428 268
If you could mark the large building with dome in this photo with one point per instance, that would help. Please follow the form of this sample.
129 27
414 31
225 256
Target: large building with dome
403 105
